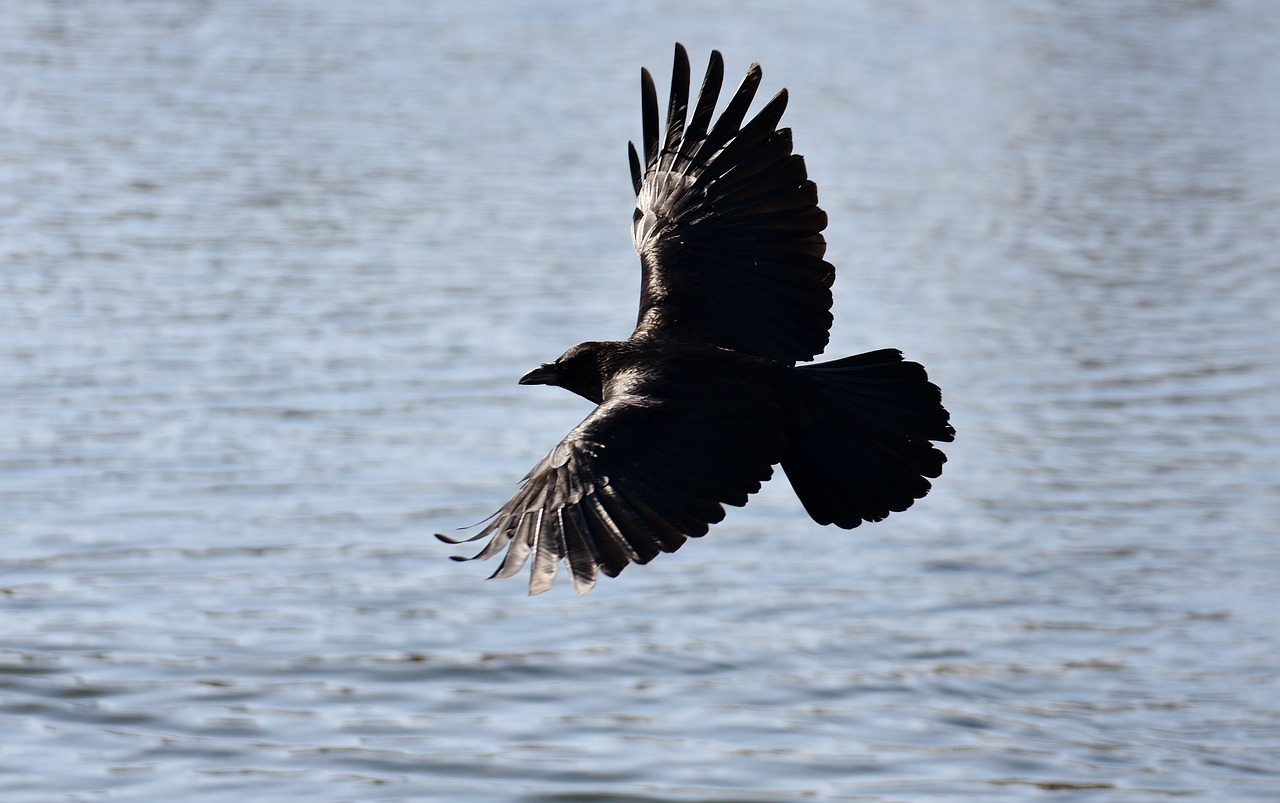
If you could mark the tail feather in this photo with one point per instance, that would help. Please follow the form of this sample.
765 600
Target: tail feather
859 437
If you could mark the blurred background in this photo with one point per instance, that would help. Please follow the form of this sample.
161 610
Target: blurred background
269 272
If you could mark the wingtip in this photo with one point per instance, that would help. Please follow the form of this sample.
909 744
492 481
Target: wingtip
448 539
649 115
637 172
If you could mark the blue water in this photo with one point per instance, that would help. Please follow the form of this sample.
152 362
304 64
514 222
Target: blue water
269 271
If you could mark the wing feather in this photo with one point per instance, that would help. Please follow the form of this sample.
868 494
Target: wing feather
649 100
644 540
706 104
638 476
678 105
722 208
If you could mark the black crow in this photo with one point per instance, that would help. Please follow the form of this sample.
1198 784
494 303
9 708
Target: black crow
702 400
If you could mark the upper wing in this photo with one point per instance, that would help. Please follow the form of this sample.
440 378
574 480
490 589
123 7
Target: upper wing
727 223
637 477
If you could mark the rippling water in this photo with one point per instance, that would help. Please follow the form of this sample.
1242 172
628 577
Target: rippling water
270 271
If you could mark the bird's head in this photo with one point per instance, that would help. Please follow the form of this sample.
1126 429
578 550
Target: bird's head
580 369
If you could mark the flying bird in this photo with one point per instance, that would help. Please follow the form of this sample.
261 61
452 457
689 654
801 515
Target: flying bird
698 405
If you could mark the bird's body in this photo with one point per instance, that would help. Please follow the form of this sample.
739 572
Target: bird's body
698 405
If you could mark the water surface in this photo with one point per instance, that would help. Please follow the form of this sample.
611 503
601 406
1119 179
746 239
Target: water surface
270 272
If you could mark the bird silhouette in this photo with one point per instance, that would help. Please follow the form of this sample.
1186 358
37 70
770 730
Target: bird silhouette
704 398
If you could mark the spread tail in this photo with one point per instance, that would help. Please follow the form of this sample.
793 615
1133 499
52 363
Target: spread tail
858 440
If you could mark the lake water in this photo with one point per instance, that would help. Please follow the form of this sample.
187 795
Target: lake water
269 273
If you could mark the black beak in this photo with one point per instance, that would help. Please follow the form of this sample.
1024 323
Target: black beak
544 374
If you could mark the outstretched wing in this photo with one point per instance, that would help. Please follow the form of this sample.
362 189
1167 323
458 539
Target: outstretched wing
637 477
727 223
